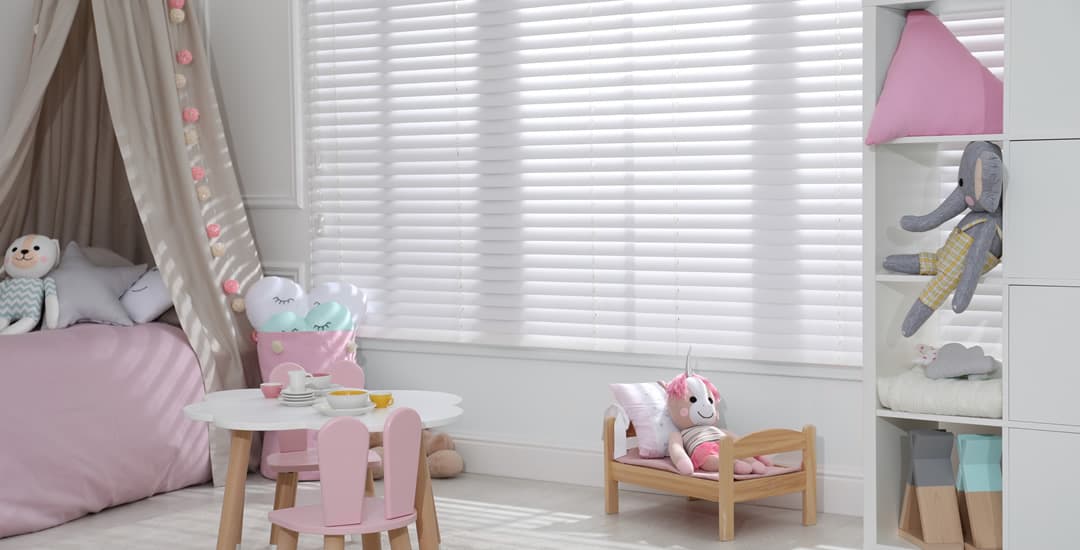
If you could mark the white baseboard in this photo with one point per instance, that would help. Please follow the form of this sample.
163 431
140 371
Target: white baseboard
838 493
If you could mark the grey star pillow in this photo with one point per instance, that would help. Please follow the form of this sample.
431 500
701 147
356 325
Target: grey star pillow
88 293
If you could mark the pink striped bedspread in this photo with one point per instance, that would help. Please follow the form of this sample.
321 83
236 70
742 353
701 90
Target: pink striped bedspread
91 417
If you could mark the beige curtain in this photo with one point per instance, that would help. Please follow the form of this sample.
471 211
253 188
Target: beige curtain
75 144
101 107
71 139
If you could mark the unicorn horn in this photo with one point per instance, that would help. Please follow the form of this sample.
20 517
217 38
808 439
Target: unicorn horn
689 370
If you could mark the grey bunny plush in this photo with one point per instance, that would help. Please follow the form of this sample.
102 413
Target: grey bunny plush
973 247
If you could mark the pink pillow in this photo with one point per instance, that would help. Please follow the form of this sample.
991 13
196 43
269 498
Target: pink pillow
646 405
935 87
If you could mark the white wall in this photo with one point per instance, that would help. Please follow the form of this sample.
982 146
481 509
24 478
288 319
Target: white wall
16 38
529 414
253 60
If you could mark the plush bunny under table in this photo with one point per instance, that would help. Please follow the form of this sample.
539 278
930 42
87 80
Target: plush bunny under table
973 247
27 261
692 405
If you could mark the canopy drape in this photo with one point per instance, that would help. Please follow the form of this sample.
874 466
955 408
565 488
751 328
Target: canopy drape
98 152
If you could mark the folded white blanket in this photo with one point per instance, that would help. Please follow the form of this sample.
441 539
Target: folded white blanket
913 392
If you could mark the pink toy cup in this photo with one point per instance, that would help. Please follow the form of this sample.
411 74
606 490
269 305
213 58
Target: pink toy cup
320 380
270 390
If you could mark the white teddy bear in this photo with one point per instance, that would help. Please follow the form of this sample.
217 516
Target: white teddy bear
28 260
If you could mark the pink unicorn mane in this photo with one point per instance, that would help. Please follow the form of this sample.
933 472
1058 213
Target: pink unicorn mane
677 387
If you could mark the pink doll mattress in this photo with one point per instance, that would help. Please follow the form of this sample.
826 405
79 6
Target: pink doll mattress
634 459
92 418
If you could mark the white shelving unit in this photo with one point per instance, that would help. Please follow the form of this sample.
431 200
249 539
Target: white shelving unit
901 177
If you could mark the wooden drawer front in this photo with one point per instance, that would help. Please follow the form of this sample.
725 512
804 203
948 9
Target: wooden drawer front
1044 369
1043 71
1041 197
1042 490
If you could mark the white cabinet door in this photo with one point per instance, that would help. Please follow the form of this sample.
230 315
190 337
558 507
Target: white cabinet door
1043 75
1044 364
1042 195
1042 488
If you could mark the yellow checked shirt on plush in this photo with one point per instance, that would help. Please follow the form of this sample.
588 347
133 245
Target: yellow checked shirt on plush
947 264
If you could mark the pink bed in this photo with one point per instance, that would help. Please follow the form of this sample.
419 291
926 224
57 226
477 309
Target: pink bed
92 418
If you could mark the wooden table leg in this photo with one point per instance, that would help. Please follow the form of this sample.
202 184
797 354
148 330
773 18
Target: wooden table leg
427 525
232 508
370 541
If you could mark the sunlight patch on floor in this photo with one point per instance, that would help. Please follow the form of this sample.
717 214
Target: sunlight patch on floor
482 525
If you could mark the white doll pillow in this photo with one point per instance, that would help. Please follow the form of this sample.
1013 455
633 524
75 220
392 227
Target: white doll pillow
148 298
646 405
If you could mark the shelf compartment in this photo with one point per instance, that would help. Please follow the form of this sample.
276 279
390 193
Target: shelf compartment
890 469
941 418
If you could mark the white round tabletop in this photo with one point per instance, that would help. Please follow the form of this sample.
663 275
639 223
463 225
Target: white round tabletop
249 410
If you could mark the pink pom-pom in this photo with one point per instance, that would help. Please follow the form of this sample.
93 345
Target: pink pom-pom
184 57
231 286
213 230
177 4
198 173
191 114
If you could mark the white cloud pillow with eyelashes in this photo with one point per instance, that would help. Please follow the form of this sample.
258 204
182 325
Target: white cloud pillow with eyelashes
148 298
272 295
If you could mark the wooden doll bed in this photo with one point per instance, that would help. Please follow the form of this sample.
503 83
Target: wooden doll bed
725 490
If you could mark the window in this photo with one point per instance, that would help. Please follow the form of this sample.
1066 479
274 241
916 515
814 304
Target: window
613 175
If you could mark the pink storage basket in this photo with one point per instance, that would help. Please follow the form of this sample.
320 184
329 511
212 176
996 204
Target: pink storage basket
315 351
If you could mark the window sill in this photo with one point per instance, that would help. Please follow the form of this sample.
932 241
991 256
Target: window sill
631 360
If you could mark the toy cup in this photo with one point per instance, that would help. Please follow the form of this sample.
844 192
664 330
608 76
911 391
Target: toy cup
298 381
382 400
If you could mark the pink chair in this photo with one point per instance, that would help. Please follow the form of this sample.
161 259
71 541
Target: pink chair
345 509
294 455
347 374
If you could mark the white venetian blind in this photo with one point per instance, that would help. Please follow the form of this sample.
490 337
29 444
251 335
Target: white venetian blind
622 175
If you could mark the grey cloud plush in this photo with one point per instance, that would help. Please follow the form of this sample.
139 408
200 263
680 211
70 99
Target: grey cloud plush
954 360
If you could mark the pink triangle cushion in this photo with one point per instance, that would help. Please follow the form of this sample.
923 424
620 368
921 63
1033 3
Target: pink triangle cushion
935 87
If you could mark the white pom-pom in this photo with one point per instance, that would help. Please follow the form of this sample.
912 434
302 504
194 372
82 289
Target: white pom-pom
181 81
177 16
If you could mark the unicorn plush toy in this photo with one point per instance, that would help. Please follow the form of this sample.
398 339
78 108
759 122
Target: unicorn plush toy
692 404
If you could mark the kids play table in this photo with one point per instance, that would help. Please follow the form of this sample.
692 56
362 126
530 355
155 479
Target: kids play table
243 412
